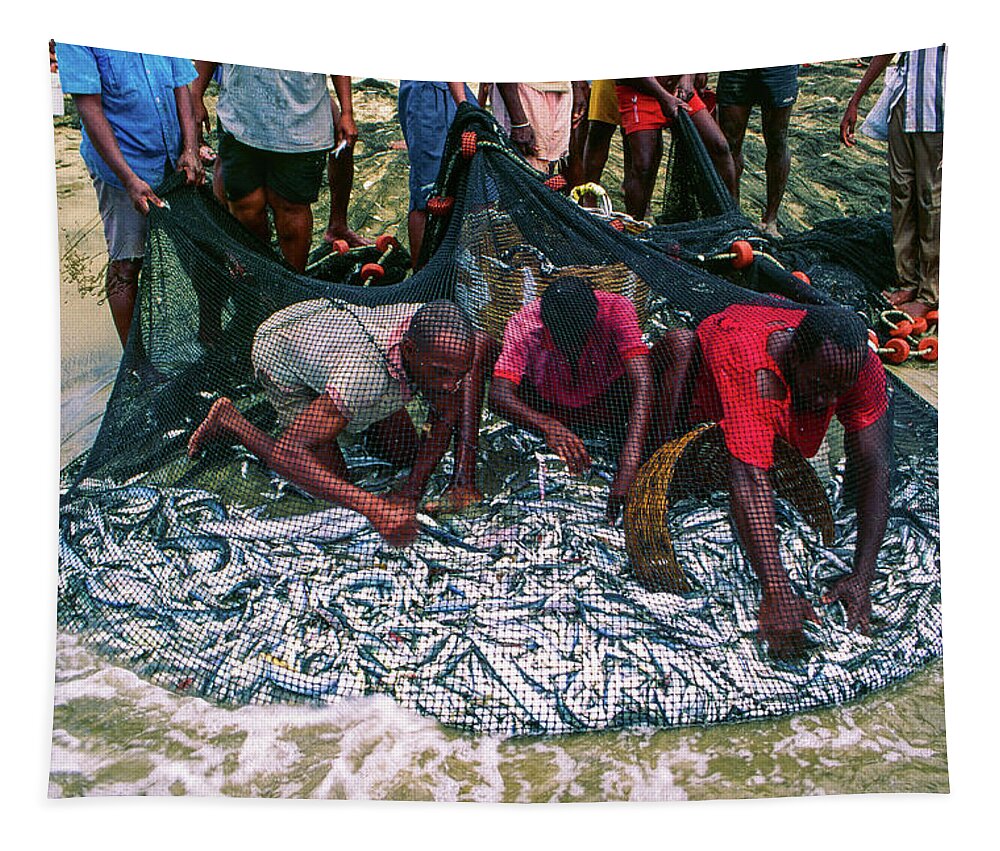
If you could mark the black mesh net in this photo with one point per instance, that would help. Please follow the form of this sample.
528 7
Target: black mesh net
685 377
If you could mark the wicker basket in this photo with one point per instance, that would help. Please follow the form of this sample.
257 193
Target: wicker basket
695 465
505 273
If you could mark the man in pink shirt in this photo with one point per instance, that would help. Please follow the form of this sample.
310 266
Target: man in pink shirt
574 358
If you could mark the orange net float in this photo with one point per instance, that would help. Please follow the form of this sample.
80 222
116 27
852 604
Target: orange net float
386 244
340 246
617 224
927 349
919 325
895 350
802 276
742 254
932 317
469 143
556 183
440 205
371 272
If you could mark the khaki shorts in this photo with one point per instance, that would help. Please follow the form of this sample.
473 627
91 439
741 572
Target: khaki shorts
288 403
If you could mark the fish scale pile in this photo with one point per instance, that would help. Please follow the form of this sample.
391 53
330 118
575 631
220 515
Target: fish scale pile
517 618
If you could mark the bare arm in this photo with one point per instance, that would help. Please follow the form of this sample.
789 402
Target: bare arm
484 94
782 612
457 92
867 465
581 100
850 119
198 88
561 440
522 134
432 448
346 128
102 136
300 456
640 381
669 103
189 162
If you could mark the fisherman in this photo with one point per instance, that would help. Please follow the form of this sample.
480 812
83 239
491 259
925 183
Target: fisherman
763 372
775 90
328 367
916 140
647 105
275 131
539 118
138 127
426 110
576 358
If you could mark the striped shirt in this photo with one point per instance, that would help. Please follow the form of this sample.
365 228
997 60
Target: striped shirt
923 93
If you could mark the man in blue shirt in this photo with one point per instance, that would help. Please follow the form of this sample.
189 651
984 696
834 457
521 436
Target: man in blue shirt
138 126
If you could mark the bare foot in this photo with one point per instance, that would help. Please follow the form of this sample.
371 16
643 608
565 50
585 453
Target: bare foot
916 309
397 145
353 239
769 229
456 498
898 297
213 424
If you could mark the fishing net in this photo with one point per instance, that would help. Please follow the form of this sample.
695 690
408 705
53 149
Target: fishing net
527 612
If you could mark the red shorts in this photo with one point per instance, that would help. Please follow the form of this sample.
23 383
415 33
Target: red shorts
642 112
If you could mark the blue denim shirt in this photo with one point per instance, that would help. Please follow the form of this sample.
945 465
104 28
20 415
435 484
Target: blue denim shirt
137 94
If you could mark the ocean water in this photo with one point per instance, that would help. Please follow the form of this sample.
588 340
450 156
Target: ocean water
115 734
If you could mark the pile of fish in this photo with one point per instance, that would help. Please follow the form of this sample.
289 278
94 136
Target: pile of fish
518 617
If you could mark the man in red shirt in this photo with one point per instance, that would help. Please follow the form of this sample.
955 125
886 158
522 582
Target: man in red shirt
572 358
762 372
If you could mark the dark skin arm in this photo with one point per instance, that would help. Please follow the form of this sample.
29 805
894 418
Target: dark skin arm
868 464
189 162
442 418
850 119
347 130
198 88
103 138
522 134
581 99
561 440
669 102
457 92
782 611
299 456
640 379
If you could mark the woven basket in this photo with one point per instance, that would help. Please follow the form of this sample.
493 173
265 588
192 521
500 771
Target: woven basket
505 273
696 465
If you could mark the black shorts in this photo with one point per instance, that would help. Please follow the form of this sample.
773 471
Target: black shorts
774 88
296 177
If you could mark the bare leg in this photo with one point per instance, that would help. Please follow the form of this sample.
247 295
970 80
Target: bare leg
122 286
779 159
733 121
416 223
577 143
646 147
223 419
718 149
595 150
293 222
251 212
218 187
340 174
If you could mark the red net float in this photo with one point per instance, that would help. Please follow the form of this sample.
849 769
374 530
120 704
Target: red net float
932 317
895 351
385 243
340 246
742 254
901 329
919 325
440 206
469 142
927 349
372 272
618 224
557 182
802 276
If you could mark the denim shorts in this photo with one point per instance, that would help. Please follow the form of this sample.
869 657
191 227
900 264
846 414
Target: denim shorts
773 88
